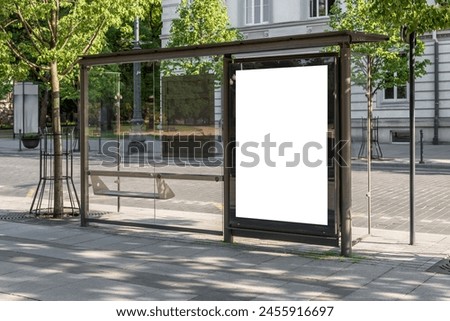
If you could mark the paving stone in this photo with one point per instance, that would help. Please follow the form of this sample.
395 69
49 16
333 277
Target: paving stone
107 290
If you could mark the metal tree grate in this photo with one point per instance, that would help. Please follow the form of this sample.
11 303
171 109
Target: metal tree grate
13 215
442 267
44 196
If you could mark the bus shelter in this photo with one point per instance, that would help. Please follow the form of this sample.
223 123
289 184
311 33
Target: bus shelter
249 138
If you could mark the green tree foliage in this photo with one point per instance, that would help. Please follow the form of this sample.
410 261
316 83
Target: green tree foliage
375 65
200 22
46 39
385 64
420 16
122 39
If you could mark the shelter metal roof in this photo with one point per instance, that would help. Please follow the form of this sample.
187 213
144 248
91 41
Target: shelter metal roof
313 40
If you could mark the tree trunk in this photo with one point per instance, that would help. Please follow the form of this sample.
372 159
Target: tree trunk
58 205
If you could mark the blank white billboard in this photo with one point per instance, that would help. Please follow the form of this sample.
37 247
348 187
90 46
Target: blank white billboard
281 132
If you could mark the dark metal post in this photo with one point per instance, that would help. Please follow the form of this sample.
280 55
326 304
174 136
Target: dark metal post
100 136
421 147
137 114
23 110
137 121
369 145
412 132
22 131
84 147
227 234
345 174
436 90
118 97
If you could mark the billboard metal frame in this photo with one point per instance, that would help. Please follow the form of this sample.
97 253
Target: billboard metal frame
299 232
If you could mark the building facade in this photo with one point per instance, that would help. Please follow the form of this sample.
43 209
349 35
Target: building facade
273 18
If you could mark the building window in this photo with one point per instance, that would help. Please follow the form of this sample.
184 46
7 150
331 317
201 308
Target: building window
320 8
396 93
256 11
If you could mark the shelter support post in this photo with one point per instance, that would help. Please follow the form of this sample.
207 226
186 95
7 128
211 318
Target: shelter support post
84 148
344 170
412 135
227 234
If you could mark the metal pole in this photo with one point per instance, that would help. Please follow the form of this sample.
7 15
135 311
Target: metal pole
84 146
436 90
99 129
226 134
137 119
345 173
118 97
412 131
22 132
20 140
23 108
100 140
369 144
421 147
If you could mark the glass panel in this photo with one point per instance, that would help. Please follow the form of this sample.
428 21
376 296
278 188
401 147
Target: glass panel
312 8
191 137
322 8
330 4
266 11
258 8
248 11
122 120
147 122
389 93
401 92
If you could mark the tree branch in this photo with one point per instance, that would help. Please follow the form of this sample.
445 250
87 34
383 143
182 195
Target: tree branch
53 25
86 48
33 67
18 54
71 28
69 35
375 90
31 34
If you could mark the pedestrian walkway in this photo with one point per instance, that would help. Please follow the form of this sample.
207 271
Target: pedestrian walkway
390 189
46 259
58 260
398 154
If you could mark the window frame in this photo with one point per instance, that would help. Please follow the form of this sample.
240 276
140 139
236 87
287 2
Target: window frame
396 99
314 11
395 102
251 10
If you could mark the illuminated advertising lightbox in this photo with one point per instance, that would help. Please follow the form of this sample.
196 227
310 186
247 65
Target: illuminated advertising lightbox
281 144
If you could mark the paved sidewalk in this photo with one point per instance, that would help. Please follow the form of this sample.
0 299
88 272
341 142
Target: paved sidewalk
45 259
434 156
58 260
390 189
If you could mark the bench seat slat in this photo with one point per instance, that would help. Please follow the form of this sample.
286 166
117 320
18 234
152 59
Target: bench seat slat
197 177
100 188
128 194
